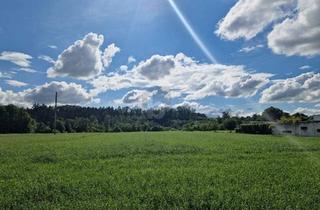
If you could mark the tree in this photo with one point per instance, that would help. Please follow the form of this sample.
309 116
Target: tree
42 128
230 124
104 119
226 115
60 126
15 120
273 114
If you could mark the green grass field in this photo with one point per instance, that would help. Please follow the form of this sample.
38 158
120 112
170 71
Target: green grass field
175 170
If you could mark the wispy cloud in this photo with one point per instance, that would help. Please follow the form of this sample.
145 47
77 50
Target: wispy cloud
29 70
251 48
46 58
305 67
52 46
5 75
18 58
16 83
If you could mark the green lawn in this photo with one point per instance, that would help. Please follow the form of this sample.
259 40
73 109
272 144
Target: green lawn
176 170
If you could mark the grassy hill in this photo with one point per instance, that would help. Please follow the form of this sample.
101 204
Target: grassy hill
161 170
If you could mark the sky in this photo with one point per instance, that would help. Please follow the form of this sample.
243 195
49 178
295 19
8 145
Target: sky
236 55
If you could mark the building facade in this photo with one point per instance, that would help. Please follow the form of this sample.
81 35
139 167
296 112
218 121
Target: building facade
305 128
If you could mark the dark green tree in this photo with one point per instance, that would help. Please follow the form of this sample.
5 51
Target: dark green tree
230 124
273 114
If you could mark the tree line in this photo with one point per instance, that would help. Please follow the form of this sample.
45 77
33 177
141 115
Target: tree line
40 119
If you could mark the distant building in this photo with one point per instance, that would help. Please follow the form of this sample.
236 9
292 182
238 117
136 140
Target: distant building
304 128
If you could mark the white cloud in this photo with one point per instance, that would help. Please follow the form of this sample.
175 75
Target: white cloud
250 49
83 59
182 76
305 67
211 110
140 98
300 34
16 83
29 70
5 75
46 58
122 69
10 97
52 46
68 93
303 88
156 67
242 113
109 53
131 59
247 18
317 105
18 58
296 24
208 110
307 111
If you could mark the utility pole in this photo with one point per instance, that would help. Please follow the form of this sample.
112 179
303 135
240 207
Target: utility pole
55 114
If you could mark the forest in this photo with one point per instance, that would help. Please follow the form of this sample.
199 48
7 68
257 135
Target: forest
71 119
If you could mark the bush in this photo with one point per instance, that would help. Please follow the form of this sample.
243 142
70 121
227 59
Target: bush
263 128
42 128
230 124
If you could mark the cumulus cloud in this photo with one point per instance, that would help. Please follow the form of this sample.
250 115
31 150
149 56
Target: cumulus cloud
10 97
156 67
69 93
83 59
208 110
300 34
18 58
303 88
46 58
139 98
296 23
16 83
307 111
121 70
182 76
242 113
109 53
247 18
212 110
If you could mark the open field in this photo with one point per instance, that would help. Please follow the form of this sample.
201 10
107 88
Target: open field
162 170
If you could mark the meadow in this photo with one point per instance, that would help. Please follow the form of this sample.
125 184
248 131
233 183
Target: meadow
159 170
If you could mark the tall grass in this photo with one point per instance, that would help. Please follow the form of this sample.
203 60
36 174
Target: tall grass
165 170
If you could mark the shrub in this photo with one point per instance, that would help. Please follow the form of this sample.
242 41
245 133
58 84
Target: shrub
262 128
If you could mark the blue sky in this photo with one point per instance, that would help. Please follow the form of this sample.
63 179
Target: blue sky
257 65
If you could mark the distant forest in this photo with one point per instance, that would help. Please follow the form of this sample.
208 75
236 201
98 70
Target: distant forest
40 119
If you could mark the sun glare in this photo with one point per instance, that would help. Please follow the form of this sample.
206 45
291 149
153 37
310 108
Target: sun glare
192 32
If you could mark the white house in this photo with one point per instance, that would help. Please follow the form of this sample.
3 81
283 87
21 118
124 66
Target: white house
305 128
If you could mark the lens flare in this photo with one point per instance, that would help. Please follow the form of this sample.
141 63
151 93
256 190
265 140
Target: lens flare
191 31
